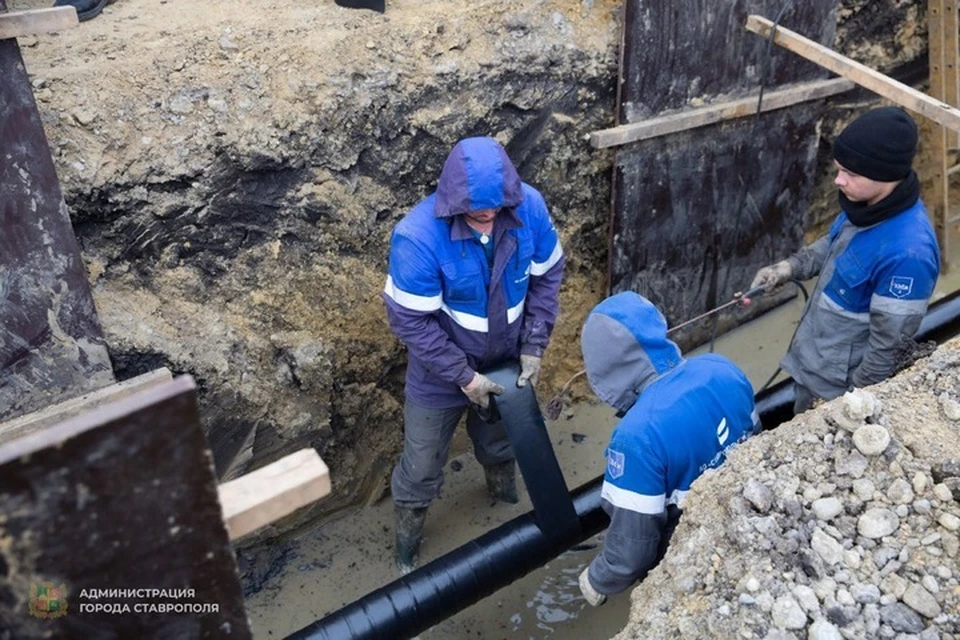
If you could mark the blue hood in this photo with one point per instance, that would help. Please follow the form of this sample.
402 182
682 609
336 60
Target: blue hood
625 348
477 175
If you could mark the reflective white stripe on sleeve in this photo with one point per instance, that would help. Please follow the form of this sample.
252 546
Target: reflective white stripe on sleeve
467 320
826 302
411 300
896 306
540 268
513 313
677 498
631 500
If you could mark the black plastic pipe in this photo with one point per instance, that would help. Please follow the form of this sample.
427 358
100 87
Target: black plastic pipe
486 564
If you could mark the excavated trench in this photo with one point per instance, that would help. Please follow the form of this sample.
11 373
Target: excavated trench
233 174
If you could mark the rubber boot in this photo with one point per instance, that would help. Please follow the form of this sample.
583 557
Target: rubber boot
408 524
502 481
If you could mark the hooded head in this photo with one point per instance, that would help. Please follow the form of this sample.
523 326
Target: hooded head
477 175
625 348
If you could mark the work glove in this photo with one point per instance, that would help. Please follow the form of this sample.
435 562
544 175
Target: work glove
529 370
480 388
595 599
772 276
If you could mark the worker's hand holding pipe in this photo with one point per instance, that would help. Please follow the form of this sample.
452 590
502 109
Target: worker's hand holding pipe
480 388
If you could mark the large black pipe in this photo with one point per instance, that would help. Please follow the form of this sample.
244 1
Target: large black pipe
456 580
486 564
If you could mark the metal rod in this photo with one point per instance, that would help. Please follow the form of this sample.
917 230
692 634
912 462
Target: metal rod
484 565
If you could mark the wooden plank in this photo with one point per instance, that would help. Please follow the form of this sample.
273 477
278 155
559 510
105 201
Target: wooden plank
111 507
675 122
36 21
902 94
951 67
38 420
271 492
939 204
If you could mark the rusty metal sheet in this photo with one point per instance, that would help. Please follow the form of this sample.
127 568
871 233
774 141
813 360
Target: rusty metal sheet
696 213
122 498
51 345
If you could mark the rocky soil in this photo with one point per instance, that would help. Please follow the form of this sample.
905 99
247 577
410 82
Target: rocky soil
842 523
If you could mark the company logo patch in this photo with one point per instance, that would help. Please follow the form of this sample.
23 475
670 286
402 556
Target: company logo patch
723 431
901 286
616 462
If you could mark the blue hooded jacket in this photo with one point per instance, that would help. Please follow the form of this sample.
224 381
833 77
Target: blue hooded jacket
680 418
456 312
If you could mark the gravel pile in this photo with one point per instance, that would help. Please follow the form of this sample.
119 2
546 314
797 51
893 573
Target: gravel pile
841 524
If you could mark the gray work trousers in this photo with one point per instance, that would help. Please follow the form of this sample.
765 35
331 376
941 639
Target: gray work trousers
803 399
418 476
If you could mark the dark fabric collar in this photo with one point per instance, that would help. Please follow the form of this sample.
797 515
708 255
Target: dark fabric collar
904 196
507 219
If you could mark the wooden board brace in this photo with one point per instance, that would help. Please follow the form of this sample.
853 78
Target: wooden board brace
904 95
31 22
44 418
271 492
675 122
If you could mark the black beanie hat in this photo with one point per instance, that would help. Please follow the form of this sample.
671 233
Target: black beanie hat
879 145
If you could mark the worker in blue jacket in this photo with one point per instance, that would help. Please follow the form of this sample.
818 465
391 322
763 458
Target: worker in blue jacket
878 266
679 418
473 282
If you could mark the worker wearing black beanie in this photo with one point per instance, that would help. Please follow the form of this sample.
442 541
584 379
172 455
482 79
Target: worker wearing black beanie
879 145
878 265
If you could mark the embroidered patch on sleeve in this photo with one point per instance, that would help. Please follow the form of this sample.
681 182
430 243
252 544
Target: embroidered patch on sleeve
616 462
901 286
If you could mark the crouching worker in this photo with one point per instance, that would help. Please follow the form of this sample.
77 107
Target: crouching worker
679 418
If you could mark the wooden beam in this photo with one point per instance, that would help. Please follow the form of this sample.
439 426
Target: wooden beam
940 201
675 122
31 22
271 492
951 67
40 420
902 94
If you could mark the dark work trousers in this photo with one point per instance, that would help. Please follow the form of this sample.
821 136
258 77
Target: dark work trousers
803 399
418 476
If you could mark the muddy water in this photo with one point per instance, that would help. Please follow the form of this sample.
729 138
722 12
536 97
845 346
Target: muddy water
334 565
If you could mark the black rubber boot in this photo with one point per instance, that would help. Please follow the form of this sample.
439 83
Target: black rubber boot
502 481
408 524
86 9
